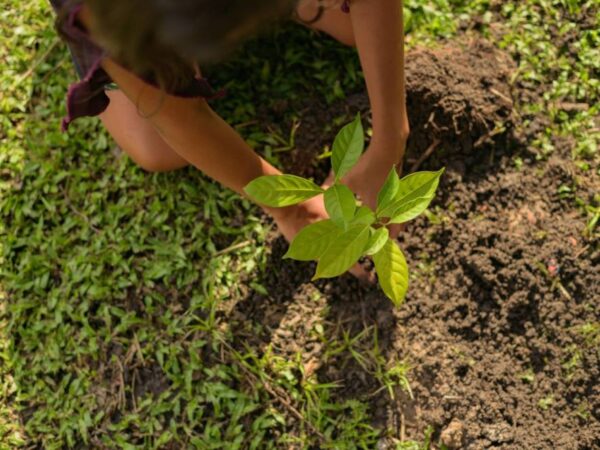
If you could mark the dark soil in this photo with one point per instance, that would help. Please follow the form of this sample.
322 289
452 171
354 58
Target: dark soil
502 279
458 100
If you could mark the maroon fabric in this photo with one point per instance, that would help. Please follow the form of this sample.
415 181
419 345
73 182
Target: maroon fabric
88 97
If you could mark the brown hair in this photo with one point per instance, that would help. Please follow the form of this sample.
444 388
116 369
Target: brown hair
162 39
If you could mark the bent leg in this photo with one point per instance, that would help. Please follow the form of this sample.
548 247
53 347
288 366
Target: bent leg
137 137
332 20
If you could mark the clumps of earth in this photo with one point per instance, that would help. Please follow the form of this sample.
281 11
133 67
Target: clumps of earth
459 101
460 106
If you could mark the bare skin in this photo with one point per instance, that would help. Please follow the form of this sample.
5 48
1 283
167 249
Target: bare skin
162 132
137 136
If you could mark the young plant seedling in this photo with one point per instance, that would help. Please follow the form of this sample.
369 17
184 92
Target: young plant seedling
352 230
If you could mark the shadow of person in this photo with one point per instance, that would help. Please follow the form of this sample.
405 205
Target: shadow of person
341 333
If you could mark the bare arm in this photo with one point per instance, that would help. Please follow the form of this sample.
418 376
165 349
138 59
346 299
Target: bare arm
379 35
194 131
190 127
201 137
197 134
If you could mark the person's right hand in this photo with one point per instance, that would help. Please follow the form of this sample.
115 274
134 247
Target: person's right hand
291 219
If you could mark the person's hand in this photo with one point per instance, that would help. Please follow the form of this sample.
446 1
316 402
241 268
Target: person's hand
368 176
291 219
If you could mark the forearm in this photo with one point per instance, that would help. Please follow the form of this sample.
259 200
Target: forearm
379 35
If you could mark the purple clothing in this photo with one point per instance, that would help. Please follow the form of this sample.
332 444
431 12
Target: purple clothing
88 97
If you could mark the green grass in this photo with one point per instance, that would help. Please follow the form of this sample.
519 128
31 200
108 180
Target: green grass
572 78
111 275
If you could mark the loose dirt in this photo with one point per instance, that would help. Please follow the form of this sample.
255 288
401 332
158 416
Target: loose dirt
503 278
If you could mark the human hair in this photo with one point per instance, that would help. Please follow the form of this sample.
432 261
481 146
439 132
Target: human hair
163 39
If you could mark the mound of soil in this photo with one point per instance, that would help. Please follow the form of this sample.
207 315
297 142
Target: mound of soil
469 87
503 280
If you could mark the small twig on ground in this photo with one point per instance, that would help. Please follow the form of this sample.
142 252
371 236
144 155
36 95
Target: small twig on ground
431 120
232 248
555 283
34 66
486 136
138 348
402 427
502 96
277 394
563 291
426 154
572 107
581 252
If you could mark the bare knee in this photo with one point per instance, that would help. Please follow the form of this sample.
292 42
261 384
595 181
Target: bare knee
137 137
154 158
150 162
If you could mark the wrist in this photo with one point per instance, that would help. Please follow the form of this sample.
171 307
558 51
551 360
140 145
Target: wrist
391 129
390 138
309 210
386 150
391 123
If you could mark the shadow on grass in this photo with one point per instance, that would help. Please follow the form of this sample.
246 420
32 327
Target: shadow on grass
110 271
340 332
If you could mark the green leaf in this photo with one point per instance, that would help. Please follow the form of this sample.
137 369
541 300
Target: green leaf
392 271
388 190
377 240
340 204
415 192
363 215
347 147
343 252
281 190
312 241
409 211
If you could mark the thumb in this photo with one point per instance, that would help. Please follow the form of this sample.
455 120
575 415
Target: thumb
329 180
396 229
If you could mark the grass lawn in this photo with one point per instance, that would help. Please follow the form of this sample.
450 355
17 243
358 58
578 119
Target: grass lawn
118 288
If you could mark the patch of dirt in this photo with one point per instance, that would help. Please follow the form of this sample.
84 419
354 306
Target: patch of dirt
473 104
501 282
509 281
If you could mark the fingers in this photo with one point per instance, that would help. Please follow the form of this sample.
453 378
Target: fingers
396 229
329 180
362 274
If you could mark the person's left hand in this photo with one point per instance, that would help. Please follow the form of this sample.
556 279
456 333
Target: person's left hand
368 176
